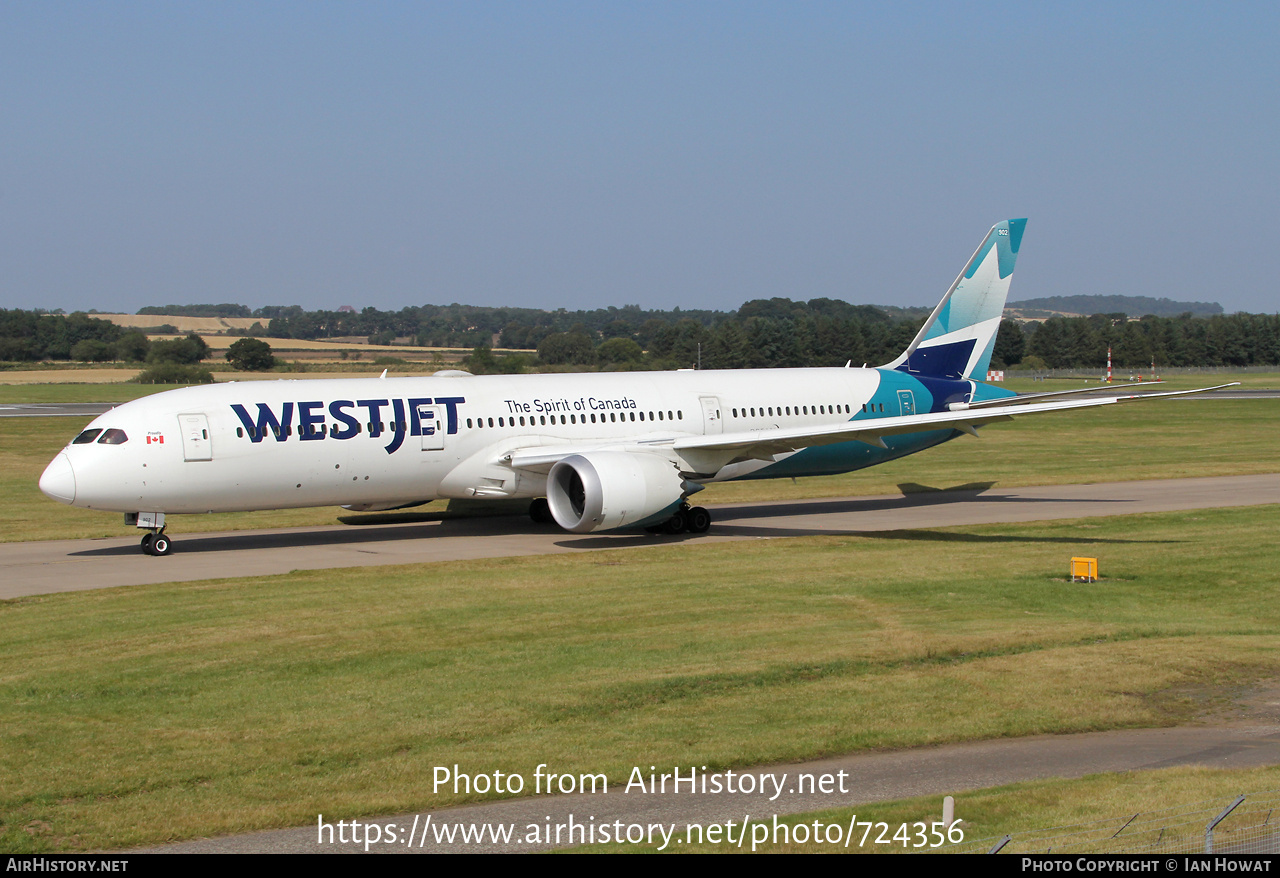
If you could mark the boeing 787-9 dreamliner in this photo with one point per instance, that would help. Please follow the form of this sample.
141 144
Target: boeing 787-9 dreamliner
594 452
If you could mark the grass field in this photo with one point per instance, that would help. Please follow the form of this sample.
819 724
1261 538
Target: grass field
1159 439
136 715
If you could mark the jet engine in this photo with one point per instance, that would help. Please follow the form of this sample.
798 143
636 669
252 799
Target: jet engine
604 490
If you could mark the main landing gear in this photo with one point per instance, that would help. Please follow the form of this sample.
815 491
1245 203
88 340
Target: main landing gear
540 511
156 543
688 519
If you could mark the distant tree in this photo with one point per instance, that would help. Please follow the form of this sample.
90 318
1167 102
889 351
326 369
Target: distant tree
618 329
1010 344
773 309
620 350
174 373
90 350
189 350
224 310
567 348
19 349
480 361
251 355
132 347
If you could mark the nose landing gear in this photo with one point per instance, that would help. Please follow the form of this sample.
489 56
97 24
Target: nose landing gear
154 541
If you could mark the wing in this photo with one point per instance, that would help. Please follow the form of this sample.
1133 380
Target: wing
705 455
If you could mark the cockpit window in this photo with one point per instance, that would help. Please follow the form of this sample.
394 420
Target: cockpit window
113 437
87 436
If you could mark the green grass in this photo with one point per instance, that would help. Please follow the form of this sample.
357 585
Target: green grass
136 715
11 394
1180 381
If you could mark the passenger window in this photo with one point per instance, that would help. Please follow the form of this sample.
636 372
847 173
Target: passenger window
240 432
113 437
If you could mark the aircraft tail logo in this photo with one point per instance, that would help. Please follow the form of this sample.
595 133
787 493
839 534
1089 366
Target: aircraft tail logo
957 339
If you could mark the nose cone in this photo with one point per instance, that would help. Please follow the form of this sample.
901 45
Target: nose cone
59 480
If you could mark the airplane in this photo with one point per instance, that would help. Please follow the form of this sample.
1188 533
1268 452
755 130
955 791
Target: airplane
592 452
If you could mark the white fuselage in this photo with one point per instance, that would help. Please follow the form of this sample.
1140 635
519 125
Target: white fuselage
382 442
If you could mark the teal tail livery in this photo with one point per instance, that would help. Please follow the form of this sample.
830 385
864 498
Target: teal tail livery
957 339
599 451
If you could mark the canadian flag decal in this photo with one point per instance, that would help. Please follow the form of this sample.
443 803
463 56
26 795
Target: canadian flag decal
155 438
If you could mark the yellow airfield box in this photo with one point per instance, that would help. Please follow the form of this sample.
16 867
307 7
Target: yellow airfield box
1084 569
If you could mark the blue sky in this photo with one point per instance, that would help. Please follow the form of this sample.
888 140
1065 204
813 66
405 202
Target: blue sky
591 154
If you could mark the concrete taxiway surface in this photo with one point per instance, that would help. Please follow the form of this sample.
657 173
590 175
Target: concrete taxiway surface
74 565
869 777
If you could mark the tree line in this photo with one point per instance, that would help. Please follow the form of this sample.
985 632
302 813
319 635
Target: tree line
1185 340
762 333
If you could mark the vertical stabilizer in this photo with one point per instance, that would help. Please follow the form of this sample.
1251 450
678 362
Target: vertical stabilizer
956 340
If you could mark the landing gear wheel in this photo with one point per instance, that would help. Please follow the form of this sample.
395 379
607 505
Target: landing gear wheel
699 520
146 543
540 511
160 545
676 524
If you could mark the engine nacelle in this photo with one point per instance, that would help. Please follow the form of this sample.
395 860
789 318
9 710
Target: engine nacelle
605 490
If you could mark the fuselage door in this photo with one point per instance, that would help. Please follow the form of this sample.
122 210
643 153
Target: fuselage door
907 400
712 420
195 437
431 427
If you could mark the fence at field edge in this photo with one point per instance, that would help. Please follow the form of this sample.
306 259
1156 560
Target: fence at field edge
1252 826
